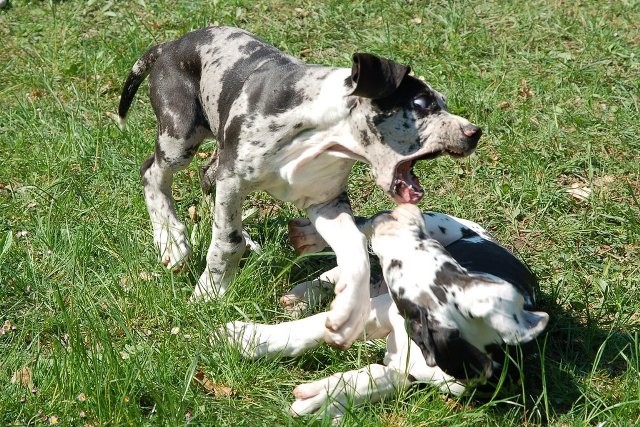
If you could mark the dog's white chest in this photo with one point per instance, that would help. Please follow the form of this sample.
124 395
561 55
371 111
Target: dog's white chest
305 183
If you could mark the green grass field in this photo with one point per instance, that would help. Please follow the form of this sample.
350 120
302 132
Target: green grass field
97 332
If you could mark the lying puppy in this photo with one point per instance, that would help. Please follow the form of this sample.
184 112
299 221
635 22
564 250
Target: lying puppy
292 130
443 322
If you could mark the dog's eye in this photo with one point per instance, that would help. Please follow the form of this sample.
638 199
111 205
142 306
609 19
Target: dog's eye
422 102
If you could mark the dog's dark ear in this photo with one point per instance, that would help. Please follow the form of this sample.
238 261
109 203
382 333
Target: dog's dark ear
375 77
416 324
421 335
457 357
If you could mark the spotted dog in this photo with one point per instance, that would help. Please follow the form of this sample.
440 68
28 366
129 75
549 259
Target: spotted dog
446 315
290 129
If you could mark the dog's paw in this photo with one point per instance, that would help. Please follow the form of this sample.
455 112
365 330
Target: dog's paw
335 393
304 238
173 246
349 312
248 338
206 288
307 296
294 306
339 391
310 397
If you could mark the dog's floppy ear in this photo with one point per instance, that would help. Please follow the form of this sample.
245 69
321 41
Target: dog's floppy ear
420 334
375 77
457 357
417 325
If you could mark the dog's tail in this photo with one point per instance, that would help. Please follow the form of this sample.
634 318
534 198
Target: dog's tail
138 73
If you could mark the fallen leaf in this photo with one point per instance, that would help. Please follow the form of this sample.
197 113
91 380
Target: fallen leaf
34 94
525 90
503 105
602 181
579 191
210 387
302 12
53 420
7 327
147 277
193 213
82 397
124 284
416 20
23 377
175 330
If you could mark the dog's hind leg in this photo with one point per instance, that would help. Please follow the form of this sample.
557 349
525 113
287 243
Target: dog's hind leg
181 129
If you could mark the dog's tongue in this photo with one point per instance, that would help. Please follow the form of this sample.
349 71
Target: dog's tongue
407 187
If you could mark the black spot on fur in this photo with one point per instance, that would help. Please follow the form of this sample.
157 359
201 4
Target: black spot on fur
250 47
440 294
448 274
443 230
395 263
364 137
235 237
298 125
237 77
272 89
467 232
161 155
401 291
144 167
515 318
229 143
274 127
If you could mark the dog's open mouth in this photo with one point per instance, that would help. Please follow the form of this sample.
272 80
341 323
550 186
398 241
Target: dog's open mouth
406 186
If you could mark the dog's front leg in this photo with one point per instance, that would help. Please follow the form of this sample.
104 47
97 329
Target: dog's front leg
227 242
350 306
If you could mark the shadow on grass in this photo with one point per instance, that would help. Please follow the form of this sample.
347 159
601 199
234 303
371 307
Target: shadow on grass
548 376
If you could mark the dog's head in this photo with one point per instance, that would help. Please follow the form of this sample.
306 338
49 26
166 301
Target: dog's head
398 120
456 317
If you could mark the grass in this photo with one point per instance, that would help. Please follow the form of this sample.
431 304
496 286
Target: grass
103 335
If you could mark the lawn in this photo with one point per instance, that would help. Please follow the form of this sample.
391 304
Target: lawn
96 332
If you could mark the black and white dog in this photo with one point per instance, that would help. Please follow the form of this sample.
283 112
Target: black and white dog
293 130
446 315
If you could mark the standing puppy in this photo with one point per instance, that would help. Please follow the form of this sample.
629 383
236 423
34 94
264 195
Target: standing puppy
293 130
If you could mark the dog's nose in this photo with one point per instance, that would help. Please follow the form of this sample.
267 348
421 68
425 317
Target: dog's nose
472 131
